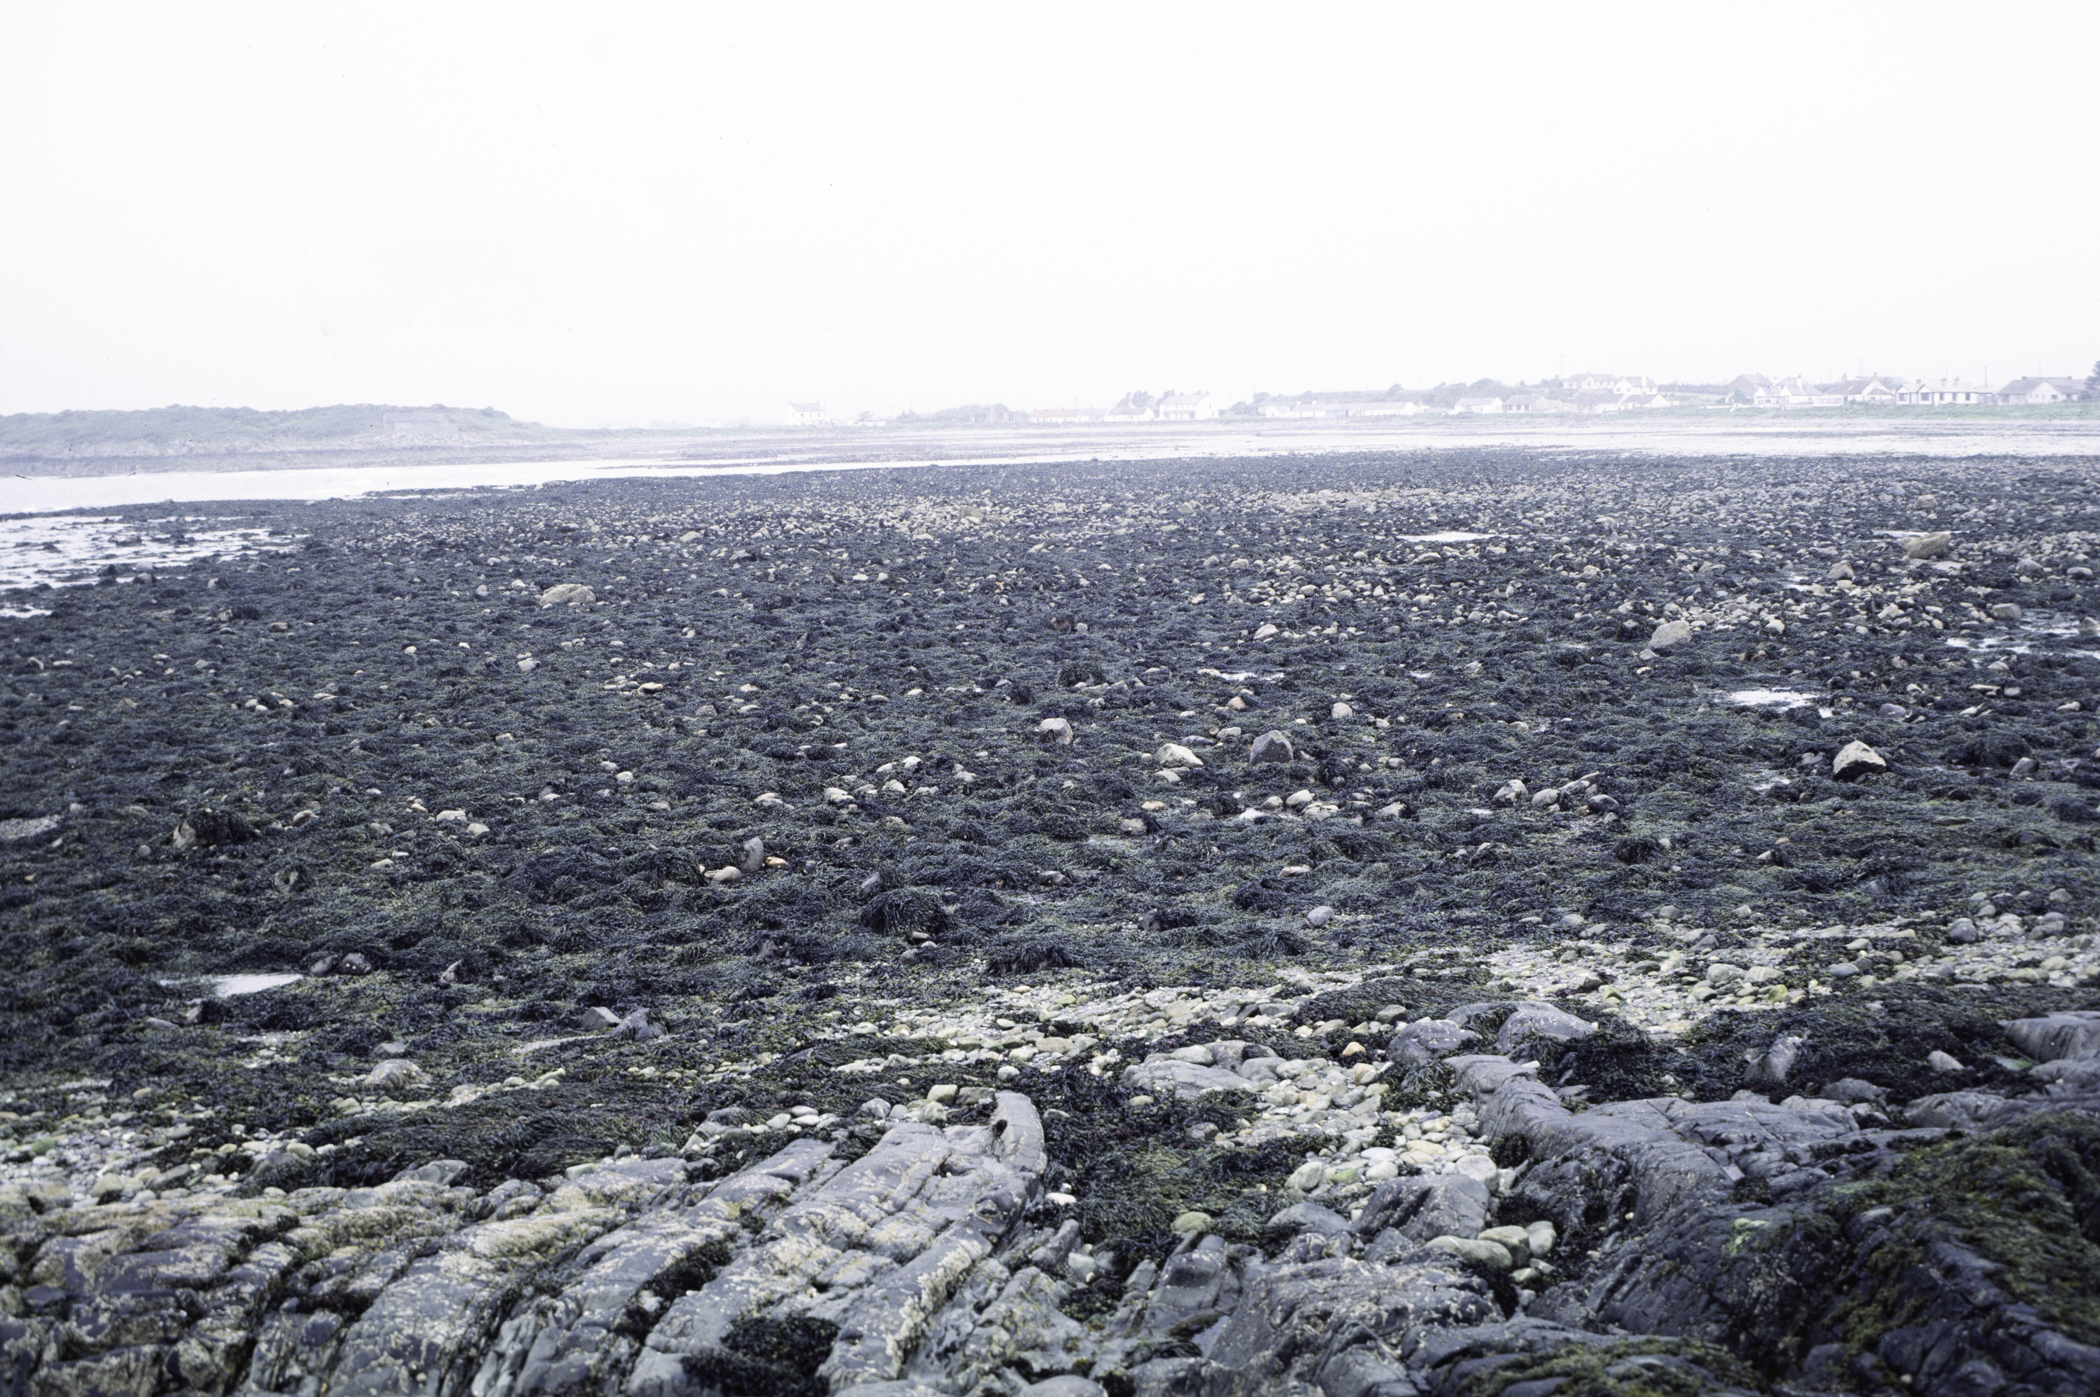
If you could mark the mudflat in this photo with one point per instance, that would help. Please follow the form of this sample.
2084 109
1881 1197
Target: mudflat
1471 921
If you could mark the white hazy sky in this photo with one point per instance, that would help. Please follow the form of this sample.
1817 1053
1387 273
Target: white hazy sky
586 214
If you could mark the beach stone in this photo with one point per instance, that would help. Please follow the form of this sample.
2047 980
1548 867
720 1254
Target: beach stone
1670 635
1272 746
1932 545
1319 916
2006 611
1853 1089
2065 1034
1961 931
1173 754
1770 1068
1479 1167
1515 1240
394 1074
1064 1385
1423 1207
753 859
1856 759
1428 1039
1306 1217
1054 732
1481 1253
1940 1061
1186 1080
568 594
1541 1020
1341 711
637 1026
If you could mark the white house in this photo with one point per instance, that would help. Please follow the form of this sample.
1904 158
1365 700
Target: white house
807 414
1186 407
1875 391
2039 390
1068 415
1294 408
1535 403
1944 392
1607 383
1478 405
1795 392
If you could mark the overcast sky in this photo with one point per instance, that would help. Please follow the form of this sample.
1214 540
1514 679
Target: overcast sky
589 214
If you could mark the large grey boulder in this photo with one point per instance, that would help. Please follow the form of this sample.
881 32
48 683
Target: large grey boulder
2066 1033
1670 635
1272 746
1424 1207
1426 1040
1187 1080
1541 1020
1857 759
1336 1325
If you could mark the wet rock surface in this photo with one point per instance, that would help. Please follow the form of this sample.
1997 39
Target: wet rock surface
1461 923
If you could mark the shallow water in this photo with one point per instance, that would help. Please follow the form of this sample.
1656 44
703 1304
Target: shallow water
226 986
1771 698
71 550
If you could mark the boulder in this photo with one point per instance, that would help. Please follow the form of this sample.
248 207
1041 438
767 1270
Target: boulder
1173 754
1428 1039
1670 635
1054 732
1857 759
1306 1217
1186 1080
1933 545
1477 1250
1770 1067
394 1074
1272 746
2066 1033
568 594
1422 1208
1541 1020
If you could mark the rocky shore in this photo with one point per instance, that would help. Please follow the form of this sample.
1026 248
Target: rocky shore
1456 922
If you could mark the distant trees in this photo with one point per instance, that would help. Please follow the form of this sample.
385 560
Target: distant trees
2092 381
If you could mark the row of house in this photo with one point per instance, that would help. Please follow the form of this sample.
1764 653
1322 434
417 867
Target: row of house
1168 407
1579 394
1544 405
1877 391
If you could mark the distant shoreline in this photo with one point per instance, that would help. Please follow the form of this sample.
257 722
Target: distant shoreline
918 443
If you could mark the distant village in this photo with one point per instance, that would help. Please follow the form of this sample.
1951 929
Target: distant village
1575 395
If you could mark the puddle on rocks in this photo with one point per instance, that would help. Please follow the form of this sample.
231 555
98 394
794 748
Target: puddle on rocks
71 551
226 986
1771 698
2020 638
